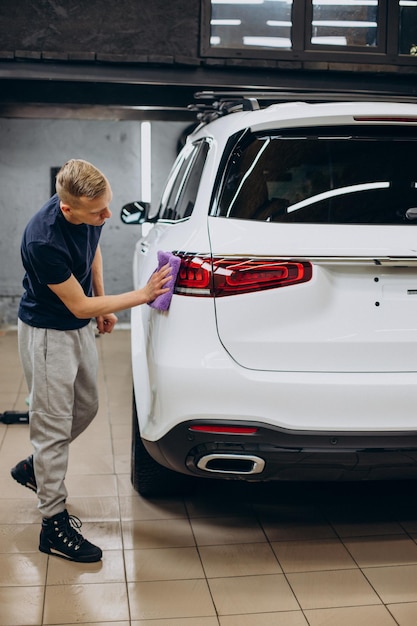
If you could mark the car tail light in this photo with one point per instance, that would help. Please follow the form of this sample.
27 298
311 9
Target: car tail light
222 430
207 276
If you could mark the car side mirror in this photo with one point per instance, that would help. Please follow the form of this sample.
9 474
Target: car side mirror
136 213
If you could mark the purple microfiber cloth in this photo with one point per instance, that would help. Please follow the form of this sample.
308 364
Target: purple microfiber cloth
162 302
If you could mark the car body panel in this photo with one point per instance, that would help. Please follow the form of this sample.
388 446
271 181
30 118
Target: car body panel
358 313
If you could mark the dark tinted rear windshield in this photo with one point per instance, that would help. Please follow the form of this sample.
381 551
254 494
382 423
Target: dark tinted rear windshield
360 175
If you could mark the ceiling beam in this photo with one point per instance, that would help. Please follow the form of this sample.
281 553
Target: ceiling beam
94 91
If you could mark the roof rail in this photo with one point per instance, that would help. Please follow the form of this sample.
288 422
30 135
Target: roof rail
215 104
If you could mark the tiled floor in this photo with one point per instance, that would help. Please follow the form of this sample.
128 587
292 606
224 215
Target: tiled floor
226 555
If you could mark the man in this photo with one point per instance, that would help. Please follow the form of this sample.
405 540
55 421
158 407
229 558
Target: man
64 289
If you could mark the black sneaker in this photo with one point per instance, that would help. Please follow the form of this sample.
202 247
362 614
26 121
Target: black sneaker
24 474
59 537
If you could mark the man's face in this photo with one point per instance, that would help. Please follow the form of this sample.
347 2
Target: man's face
93 212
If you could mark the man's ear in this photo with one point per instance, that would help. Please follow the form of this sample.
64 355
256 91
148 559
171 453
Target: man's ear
65 208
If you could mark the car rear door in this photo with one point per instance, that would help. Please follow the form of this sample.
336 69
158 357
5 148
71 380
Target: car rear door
314 250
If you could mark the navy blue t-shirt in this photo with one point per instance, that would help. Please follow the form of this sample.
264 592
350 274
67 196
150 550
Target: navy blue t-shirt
53 249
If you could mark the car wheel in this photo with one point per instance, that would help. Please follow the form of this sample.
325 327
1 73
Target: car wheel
148 477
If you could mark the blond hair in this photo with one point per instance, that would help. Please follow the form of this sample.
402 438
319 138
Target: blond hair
80 179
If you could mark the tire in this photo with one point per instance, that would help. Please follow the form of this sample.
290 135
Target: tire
148 477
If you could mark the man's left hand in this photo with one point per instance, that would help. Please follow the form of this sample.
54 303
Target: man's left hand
106 323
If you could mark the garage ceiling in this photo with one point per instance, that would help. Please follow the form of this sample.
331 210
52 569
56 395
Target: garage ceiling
94 91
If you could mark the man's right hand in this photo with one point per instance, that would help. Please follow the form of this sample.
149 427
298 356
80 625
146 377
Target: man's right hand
156 284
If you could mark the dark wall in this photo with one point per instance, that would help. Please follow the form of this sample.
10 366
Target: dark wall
147 52
85 27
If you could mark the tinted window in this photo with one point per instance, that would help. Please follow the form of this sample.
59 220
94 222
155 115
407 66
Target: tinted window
256 24
408 28
181 190
344 23
334 176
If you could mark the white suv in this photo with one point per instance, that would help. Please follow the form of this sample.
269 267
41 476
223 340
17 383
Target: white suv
289 351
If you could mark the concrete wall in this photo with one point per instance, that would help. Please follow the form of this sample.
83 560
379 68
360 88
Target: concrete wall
29 148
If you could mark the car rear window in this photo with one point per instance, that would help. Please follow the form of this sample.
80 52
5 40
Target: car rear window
330 175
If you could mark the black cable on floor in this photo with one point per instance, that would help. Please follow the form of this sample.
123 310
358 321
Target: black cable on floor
14 417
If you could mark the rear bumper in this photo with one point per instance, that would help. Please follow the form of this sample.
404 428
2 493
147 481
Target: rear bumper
273 453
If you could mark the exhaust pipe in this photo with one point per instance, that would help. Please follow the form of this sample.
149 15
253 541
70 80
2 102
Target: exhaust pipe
231 464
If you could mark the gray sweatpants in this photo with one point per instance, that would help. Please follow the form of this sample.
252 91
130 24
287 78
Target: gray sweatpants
60 368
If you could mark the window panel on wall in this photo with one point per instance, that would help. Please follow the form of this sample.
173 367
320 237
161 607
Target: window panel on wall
346 23
237 24
349 31
407 43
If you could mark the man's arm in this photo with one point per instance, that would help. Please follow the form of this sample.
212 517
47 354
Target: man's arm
105 323
97 272
83 307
